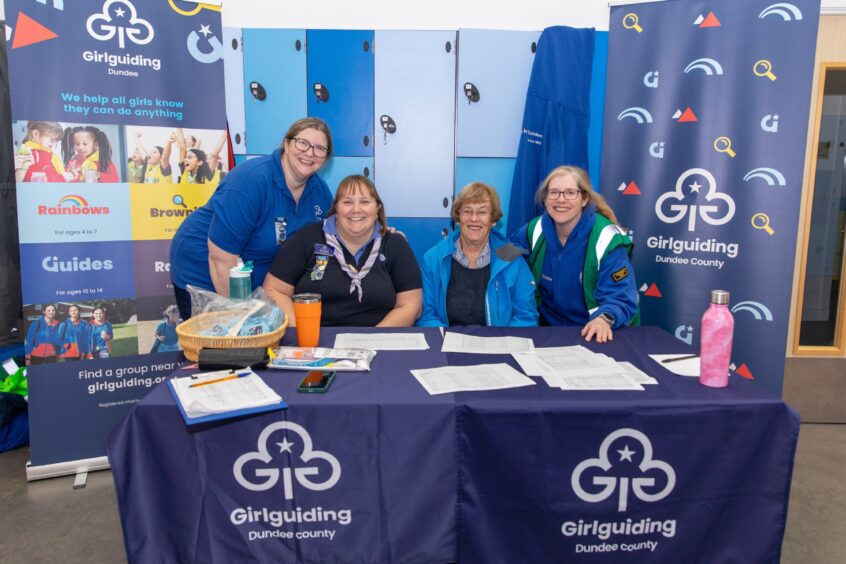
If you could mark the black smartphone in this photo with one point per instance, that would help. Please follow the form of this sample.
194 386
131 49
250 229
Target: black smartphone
316 381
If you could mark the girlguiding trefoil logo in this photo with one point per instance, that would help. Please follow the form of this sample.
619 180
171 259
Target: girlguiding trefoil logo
603 474
123 22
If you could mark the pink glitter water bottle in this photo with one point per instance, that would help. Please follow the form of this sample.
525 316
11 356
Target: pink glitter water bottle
715 344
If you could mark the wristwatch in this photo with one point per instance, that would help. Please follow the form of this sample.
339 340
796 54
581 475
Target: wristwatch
607 317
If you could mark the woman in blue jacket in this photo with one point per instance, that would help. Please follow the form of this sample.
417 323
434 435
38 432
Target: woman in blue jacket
73 335
166 339
474 276
42 338
579 257
100 335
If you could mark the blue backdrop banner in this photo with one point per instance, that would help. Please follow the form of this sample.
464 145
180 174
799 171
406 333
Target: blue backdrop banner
101 91
706 113
115 61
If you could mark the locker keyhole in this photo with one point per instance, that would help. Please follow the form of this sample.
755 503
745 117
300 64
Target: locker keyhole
534 47
448 46
237 138
471 92
446 202
444 233
321 92
367 172
298 45
258 91
234 44
388 126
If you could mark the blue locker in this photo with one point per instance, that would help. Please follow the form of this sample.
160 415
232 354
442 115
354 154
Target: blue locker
497 173
244 158
340 87
422 233
493 74
339 168
274 85
597 105
414 122
233 83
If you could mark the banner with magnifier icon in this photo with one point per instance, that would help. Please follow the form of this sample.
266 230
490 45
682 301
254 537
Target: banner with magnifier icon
709 101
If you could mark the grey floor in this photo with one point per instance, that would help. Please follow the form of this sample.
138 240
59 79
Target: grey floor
49 521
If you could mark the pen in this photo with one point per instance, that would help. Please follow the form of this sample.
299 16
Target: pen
231 376
688 357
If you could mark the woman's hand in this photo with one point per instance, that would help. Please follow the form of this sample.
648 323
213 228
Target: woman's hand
598 327
406 311
283 294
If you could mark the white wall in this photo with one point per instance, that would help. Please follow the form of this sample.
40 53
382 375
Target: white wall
416 14
429 14
424 14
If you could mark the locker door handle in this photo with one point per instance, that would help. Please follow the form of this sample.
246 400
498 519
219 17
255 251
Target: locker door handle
388 126
471 92
321 92
258 91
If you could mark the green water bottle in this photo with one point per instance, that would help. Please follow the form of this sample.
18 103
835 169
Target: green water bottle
240 280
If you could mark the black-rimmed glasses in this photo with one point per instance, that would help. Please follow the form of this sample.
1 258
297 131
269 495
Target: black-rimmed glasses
304 145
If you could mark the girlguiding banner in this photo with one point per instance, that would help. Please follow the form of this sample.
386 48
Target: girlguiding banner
109 97
706 118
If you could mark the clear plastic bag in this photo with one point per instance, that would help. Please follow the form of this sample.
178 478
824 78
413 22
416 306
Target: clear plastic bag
255 316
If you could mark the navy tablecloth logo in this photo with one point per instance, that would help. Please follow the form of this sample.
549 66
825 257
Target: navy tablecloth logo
258 471
630 468
126 24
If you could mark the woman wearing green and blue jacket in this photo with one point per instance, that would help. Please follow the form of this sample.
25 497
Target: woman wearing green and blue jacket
579 257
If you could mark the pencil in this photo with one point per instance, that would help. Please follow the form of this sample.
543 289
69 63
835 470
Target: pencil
688 357
232 376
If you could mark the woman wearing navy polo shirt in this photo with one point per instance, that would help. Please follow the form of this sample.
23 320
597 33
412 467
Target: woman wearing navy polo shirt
257 207
367 276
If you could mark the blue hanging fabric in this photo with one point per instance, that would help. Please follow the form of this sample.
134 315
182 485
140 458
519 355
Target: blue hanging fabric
556 116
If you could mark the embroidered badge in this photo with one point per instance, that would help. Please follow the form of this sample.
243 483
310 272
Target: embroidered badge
320 263
281 226
620 274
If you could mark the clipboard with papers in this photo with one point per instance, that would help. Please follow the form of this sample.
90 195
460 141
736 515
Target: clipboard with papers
213 396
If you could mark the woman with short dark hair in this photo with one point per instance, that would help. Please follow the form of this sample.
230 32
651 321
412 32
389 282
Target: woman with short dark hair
366 275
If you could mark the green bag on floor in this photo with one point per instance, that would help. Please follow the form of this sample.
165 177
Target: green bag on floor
15 383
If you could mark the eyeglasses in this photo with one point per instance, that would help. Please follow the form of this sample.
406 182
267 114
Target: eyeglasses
303 145
569 193
469 212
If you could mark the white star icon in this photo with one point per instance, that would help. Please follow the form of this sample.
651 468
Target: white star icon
690 327
119 12
626 454
694 187
204 29
285 446
775 116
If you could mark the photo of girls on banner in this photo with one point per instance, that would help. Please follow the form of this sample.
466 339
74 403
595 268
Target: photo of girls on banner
706 104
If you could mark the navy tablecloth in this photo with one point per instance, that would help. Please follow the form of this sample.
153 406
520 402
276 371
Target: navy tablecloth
377 470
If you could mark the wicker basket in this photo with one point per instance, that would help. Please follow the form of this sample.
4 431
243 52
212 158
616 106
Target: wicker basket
192 341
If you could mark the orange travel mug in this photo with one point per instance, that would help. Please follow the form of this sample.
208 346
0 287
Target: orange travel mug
307 311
